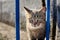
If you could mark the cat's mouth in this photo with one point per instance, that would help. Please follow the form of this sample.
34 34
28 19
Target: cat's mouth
36 24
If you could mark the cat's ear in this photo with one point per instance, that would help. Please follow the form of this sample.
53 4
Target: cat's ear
43 9
27 10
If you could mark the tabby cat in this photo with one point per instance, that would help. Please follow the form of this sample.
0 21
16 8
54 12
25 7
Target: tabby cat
35 23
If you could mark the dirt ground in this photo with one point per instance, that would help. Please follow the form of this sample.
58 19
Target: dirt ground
7 31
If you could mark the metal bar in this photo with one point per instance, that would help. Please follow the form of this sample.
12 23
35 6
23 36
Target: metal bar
17 21
47 19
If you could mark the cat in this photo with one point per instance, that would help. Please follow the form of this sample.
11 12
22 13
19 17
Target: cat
35 23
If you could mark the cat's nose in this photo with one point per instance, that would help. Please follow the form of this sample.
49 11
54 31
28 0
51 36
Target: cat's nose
35 23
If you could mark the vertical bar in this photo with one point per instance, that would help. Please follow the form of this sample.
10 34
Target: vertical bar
54 20
47 19
17 21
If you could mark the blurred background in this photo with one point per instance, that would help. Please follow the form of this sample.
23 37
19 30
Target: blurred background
7 20
7 11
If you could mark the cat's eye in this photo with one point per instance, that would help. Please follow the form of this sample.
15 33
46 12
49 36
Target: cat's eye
37 16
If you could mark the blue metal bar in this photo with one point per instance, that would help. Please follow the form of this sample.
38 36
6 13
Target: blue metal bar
47 19
17 21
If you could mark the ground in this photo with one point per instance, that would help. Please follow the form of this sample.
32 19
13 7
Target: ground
7 30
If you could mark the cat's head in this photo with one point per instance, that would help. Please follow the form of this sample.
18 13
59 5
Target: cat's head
35 17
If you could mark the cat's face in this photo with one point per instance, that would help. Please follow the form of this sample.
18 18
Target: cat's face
36 17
